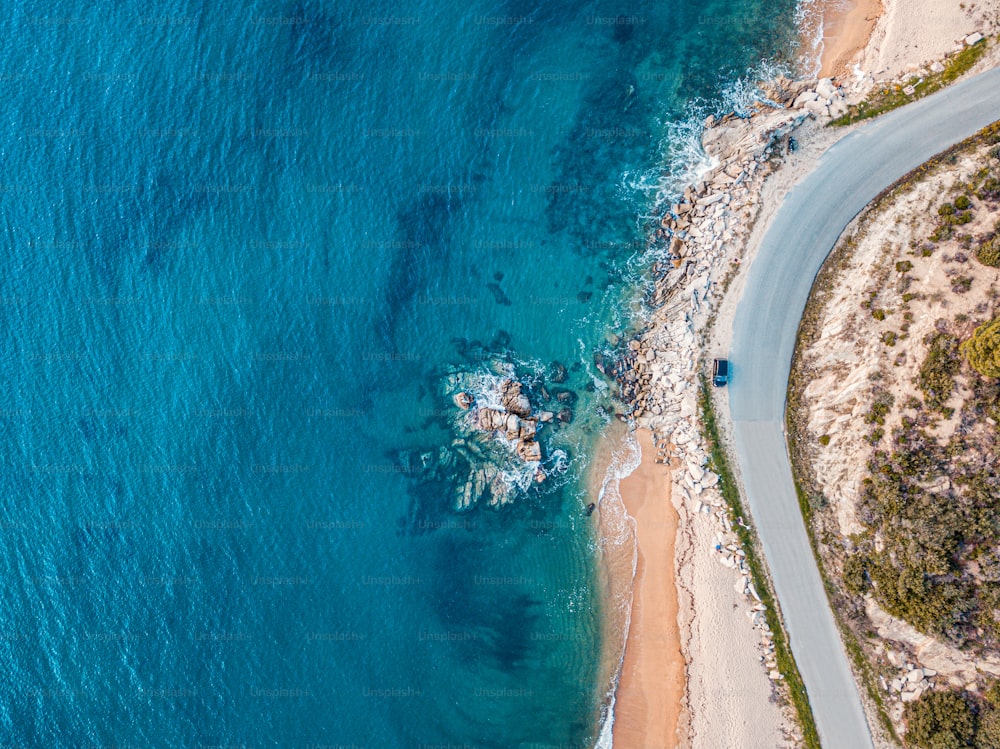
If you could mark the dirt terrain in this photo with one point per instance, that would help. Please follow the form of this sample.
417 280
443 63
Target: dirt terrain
895 436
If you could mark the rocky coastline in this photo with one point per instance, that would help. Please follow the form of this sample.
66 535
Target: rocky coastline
699 243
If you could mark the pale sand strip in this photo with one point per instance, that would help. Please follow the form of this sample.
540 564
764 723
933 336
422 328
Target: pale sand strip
651 685
847 26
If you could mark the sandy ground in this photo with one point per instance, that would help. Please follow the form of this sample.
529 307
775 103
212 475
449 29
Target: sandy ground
651 685
912 33
846 29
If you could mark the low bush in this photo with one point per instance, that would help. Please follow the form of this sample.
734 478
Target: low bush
936 378
940 720
983 349
988 252
961 284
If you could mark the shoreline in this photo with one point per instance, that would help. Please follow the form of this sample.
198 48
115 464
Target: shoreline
650 689
846 32
732 692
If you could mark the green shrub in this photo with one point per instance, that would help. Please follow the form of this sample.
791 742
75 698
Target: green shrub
962 202
988 253
939 720
936 378
881 405
988 735
878 314
961 284
889 338
992 694
946 210
904 266
983 349
942 233
824 440
856 574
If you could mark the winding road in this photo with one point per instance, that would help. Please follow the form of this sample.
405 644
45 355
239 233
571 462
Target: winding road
803 231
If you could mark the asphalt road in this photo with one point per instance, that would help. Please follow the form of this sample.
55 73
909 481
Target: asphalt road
802 233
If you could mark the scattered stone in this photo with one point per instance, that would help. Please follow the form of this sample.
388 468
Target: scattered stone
463 400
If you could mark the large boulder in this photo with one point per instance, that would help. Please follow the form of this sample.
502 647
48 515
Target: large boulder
530 451
804 98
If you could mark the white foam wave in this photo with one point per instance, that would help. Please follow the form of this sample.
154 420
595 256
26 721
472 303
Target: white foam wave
683 161
809 19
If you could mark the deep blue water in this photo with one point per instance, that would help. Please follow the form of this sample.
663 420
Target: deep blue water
243 247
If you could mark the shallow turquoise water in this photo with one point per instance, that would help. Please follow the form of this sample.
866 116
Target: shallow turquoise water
244 245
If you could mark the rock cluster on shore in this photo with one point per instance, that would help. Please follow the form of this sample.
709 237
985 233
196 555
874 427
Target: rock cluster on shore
704 235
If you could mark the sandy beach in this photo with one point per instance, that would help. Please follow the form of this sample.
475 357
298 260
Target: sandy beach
651 686
846 30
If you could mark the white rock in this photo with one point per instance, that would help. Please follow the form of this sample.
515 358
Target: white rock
825 88
937 67
973 38
709 480
804 98
818 108
915 675
909 696
838 108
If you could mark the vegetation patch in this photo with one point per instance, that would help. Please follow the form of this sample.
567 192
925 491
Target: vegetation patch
988 251
983 349
921 539
892 97
936 378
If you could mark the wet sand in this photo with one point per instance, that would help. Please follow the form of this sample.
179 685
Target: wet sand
847 25
651 687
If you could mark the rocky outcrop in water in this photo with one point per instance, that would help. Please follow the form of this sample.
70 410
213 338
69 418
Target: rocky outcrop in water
497 421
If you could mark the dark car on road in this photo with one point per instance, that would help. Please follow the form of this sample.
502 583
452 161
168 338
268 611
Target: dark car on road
720 372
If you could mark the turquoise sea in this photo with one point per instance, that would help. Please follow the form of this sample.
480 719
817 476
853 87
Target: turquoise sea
245 244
